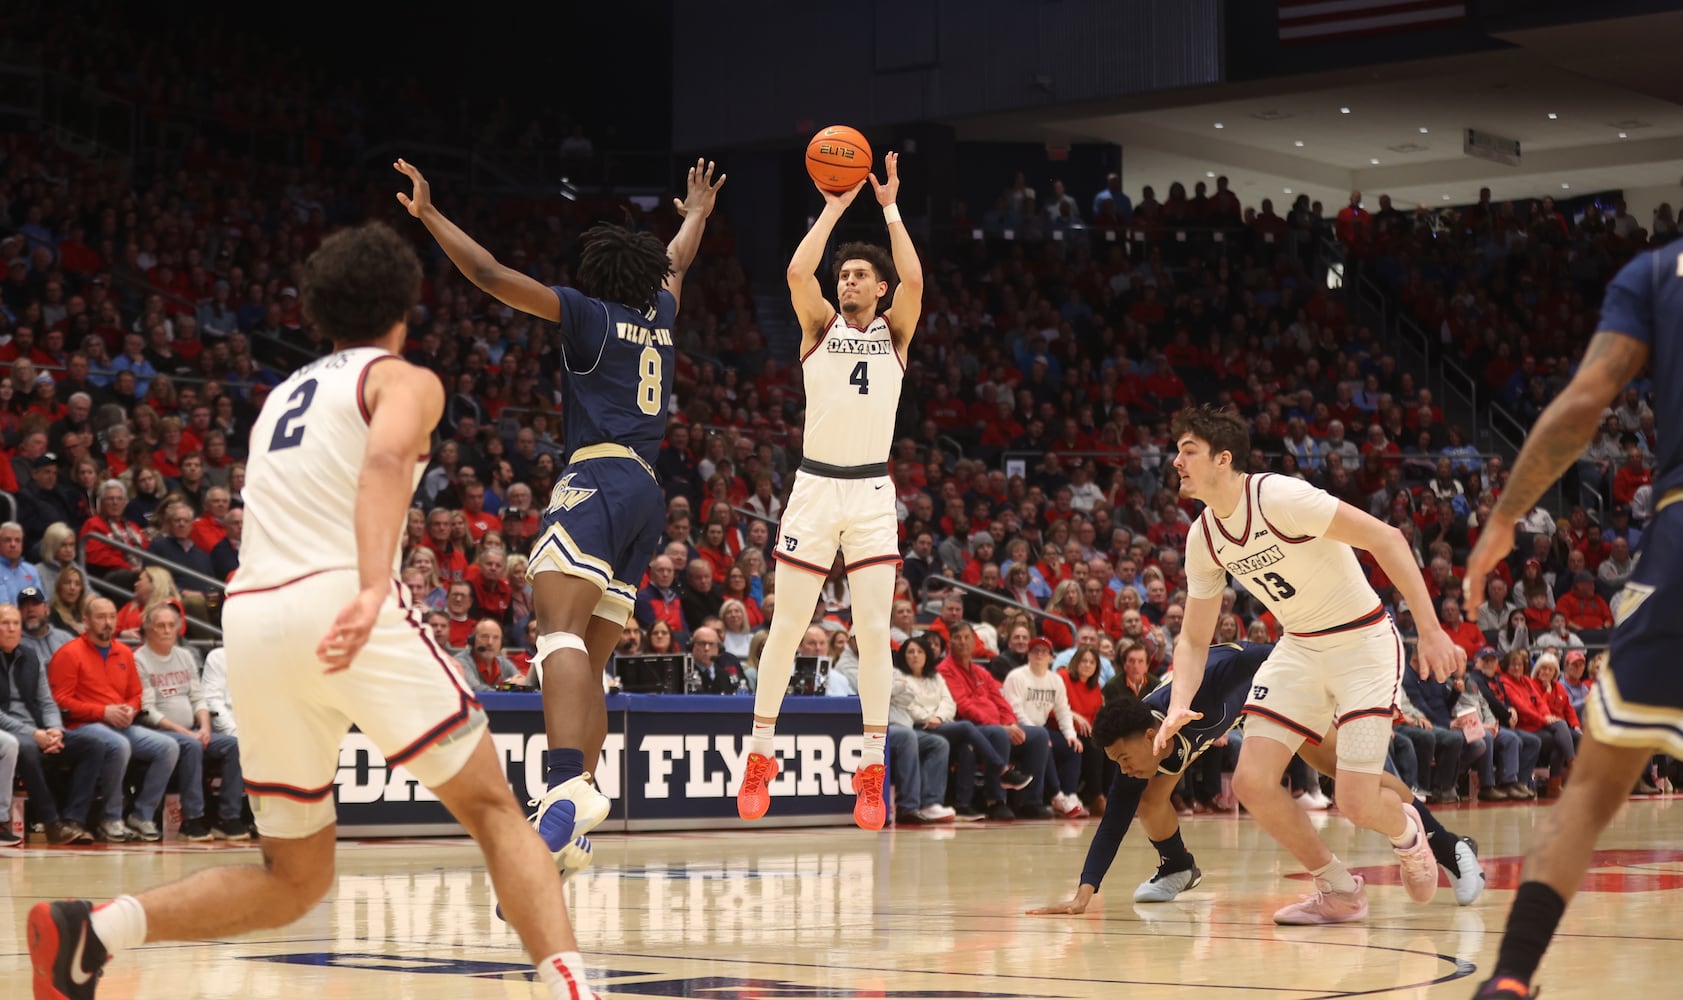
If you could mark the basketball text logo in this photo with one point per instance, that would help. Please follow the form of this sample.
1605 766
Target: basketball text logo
565 496
845 152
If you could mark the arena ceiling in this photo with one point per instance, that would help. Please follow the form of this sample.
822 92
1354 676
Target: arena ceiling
1593 107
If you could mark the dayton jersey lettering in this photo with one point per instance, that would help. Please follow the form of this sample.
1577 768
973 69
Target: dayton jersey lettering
852 379
616 372
1645 301
1272 544
301 478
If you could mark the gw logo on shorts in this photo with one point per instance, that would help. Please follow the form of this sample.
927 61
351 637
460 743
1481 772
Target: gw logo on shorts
565 496
789 543
1259 692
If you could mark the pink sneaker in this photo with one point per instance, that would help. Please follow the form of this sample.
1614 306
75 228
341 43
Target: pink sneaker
1419 867
1326 906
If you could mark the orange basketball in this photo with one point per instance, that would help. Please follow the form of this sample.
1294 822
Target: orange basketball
838 157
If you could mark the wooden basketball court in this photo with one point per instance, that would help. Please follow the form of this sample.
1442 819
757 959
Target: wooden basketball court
917 912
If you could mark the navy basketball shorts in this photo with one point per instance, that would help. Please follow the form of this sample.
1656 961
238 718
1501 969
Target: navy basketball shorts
1638 700
603 522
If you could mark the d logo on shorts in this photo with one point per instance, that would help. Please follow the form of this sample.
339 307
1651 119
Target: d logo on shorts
789 543
1259 692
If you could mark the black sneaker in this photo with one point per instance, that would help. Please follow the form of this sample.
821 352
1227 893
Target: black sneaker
967 814
67 956
230 829
1014 779
195 829
1000 810
8 838
1037 811
1500 987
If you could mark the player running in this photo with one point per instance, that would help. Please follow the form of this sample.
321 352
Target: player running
607 510
1126 728
1340 661
336 454
1636 707
853 358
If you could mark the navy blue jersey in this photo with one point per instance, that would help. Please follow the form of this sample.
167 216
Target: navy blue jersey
1645 301
1221 699
617 368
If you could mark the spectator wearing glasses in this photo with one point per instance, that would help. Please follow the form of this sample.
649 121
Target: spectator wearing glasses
176 546
16 572
483 662
172 702
716 671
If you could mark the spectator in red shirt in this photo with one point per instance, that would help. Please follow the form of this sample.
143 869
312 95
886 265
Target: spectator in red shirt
1353 222
488 576
211 527
452 562
1463 632
1632 474
473 508
660 599
105 561
714 551
458 604
981 702
1585 610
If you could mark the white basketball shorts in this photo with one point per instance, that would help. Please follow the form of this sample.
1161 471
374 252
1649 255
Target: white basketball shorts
824 514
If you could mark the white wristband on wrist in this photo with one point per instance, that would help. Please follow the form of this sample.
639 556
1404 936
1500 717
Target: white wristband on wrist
891 214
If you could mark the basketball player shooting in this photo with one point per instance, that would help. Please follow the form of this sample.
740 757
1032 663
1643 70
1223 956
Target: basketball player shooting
607 510
1126 729
1339 663
853 357
320 637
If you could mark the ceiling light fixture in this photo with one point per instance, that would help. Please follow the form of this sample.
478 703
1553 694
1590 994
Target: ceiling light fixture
1298 144
1374 162
1565 186
1220 125
1446 197
1552 116
1624 135
1288 190
1424 130
1343 111
1209 173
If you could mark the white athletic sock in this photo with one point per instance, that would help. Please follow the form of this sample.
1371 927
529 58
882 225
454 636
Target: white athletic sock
120 924
876 744
562 975
1336 876
1405 840
760 740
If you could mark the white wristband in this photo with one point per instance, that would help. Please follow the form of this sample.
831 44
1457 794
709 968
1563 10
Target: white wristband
891 214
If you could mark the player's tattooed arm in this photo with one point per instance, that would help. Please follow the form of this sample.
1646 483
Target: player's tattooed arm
1565 428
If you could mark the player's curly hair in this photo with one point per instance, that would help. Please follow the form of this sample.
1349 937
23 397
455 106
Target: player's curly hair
360 282
1222 430
879 259
622 265
1121 718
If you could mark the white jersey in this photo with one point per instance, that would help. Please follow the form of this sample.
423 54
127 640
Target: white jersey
1272 544
852 381
301 476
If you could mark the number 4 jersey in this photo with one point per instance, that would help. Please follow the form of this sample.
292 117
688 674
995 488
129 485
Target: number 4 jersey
852 380
301 477
1273 545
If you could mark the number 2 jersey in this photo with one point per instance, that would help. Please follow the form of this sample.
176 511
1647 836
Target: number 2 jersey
301 477
1273 545
616 371
852 379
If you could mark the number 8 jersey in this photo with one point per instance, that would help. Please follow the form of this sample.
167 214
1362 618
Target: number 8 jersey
301 477
616 370
1273 545
852 380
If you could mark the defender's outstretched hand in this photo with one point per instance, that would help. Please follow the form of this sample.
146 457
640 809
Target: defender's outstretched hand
421 199
703 190
1083 896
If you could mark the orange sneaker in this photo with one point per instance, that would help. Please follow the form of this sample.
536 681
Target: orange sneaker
868 811
754 797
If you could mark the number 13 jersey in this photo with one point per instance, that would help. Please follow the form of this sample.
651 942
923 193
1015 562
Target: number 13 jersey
852 381
1273 543
301 476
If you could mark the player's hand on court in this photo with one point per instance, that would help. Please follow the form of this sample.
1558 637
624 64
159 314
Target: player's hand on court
421 198
1436 656
703 190
1495 541
350 630
1083 896
888 191
1172 724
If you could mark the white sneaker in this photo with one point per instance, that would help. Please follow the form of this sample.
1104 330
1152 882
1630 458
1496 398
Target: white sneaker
936 813
564 815
1161 888
1469 885
1068 806
1314 799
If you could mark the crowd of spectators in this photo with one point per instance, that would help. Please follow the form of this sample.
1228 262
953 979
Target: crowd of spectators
144 315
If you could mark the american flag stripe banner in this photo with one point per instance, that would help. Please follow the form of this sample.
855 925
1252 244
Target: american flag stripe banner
1324 20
